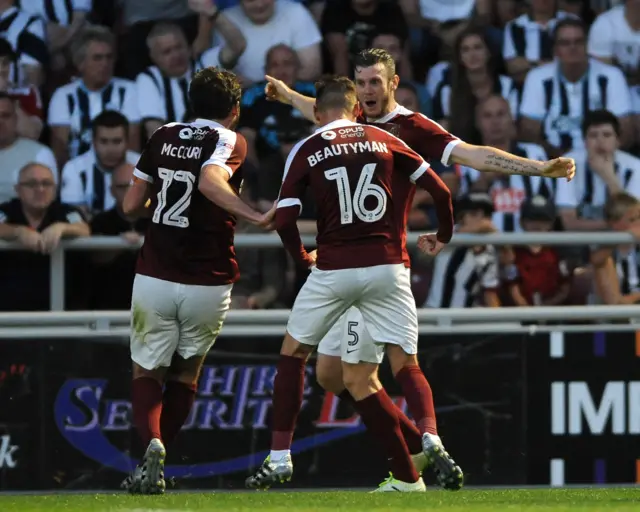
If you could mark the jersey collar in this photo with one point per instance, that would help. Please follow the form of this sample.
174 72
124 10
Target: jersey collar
339 123
207 122
399 110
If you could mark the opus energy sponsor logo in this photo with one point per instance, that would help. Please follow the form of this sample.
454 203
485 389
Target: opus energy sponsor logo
230 398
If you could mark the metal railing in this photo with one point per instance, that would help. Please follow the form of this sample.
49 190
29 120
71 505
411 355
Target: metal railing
97 243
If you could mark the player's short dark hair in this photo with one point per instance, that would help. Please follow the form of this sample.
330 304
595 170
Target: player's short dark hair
6 50
618 204
568 22
335 92
598 118
213 93
372 56
109 119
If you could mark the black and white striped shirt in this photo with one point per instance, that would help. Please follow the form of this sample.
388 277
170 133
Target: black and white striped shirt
504 86
167 99
510 191
86 184
55 11
75 106
588 192
628 270
26 34
561 105
524 37
461 275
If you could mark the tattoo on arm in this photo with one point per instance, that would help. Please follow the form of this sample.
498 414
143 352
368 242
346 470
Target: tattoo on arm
510 165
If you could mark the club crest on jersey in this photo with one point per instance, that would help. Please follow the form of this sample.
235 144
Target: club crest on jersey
193 133
328 135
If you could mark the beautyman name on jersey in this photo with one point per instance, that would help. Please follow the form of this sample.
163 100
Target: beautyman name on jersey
345 149
184 152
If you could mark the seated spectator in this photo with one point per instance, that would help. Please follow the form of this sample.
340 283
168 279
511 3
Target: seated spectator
28 103
614 39
213 18
112 278
558 95
16 151
467 276
350 26
538 276
617 270
473 78
25 33
508 191
270 127
268 23
36 221
528 39
63 20
601 170
86 179
163 89
393 44
74 106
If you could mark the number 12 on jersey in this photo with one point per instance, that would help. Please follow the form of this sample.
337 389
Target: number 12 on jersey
173 216
365 188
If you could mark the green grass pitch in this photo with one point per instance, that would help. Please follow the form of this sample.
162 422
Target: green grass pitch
557 500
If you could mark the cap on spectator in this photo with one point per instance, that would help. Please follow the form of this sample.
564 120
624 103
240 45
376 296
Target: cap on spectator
6 50
475 201
447 10
538 208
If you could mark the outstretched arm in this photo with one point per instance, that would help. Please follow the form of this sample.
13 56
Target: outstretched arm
488 159
277 90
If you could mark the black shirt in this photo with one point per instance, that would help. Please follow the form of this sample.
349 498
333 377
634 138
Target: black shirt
25 273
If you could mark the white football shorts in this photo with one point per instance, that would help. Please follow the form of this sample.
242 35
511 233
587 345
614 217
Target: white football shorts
383 296
170 318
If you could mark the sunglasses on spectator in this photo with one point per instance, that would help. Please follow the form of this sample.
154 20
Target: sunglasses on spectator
36 184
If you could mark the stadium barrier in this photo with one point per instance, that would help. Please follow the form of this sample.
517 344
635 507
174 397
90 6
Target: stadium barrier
97 243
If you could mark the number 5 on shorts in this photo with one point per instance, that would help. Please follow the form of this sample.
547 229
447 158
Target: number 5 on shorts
350 331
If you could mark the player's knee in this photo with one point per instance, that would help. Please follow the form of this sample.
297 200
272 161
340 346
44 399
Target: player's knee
398 358
329 373
361 380
293 348
156 373
184 370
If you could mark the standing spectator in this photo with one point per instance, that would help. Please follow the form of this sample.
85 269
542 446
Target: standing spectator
617 270
74 106
467 276
537 275
510 191
614 38
267 23
557 96
349 26
528 38
112 279
163 89
26 34
16 151
86 179
270 127
601 170
473 78
27 99
36 221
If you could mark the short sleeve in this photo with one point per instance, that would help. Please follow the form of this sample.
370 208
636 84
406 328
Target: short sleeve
532 104
145 168
150 101
58 114
601 38
294 180
434 142
72 192
618 94
130 108
406 160
230 151
508 46
305 32
31 44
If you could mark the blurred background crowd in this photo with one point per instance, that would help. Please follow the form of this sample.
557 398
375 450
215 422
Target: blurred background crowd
84 83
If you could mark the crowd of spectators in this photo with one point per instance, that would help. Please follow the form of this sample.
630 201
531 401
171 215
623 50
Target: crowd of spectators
83 85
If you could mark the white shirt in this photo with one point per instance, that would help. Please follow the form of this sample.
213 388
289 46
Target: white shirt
436 75
16 156
56 11
26 34
78 181
611 37
291 24
75 106
560 105
587 188
524 37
